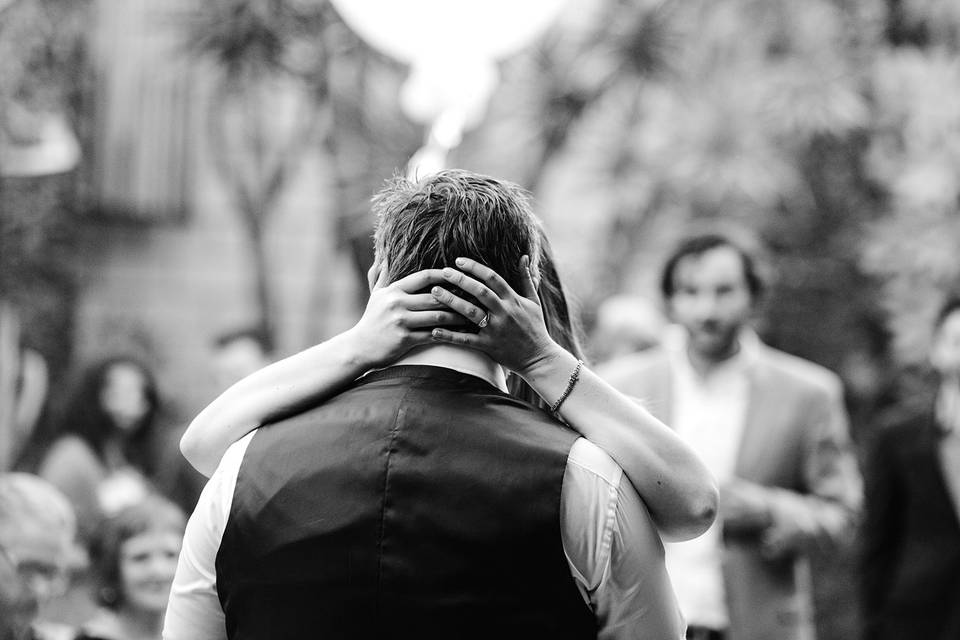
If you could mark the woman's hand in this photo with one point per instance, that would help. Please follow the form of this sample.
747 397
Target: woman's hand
512 328
398 317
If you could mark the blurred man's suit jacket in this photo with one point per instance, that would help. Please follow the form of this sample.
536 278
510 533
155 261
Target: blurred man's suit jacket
911 534
795 444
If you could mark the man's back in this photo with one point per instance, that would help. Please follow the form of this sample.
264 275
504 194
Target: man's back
422 499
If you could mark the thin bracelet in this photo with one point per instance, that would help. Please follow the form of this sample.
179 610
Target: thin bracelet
570 385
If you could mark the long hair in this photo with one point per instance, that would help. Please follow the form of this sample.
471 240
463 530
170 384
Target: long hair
562 325
83 414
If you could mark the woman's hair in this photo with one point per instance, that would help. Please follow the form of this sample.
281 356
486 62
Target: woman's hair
562 325
84 416
152 514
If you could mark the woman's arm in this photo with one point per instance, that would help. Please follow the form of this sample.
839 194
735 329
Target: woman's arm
397 318
679 491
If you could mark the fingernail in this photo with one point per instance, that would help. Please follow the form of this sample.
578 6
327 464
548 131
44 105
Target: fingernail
436 333
447 272
461 261
436 291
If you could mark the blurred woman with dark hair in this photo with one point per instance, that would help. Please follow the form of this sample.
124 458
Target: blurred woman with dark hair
135 559
100 452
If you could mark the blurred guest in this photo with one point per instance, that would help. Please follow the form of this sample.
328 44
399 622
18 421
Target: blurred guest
136 558
37 531
102 452
239 353
18 607
24 382
625 324
770 426
911 532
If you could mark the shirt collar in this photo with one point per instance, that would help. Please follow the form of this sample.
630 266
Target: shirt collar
675 343
948 408
466 361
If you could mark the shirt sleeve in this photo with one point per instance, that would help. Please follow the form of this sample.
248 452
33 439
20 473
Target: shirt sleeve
615 553
194 611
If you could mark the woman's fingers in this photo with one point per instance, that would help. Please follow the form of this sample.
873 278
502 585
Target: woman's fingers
484 295
425 319
421 302
528 289
486 275
471 340
458 304
420 280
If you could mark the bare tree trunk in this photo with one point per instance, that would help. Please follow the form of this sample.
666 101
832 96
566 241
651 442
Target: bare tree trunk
253 181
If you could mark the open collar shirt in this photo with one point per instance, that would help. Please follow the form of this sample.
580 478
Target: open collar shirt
709 413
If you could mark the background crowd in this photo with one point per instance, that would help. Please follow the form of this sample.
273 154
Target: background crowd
184 197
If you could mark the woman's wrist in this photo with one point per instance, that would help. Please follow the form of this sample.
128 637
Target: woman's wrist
553 364
352 350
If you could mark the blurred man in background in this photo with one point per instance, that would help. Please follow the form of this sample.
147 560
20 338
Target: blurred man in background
238 353
911 532
37 535
18 607
772 429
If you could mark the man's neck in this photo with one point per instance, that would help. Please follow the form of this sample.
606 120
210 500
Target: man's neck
704 363
467 361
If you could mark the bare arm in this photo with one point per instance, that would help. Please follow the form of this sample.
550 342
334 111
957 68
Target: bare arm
676 486
396 319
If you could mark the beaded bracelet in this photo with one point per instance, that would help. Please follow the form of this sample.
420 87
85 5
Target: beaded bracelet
570 385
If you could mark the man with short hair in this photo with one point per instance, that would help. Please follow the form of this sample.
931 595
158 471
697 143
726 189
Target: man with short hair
772 429
911 529
37 540
423 501
238 353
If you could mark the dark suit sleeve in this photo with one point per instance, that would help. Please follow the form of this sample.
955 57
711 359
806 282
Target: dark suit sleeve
881 532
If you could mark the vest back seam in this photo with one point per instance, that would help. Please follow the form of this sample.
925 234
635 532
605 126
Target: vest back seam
391 448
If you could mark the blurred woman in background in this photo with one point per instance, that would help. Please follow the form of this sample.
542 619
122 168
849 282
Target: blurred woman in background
135 560
100 452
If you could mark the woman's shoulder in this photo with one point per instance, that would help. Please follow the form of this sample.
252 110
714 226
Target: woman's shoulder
71 447
70 455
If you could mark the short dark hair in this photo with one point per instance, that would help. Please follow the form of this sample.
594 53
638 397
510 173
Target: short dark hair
950 306
454 213
698 245
255 334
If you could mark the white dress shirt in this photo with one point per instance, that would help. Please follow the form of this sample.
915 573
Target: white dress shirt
614 552
709 413
948 415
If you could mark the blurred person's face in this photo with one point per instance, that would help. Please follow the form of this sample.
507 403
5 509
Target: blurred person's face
18 607
124 395
40 559
238 359
711 300
945 351
147 565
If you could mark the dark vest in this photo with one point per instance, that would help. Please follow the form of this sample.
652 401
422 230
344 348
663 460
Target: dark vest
421 503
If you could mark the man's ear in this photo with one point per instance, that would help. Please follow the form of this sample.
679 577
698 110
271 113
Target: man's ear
377 269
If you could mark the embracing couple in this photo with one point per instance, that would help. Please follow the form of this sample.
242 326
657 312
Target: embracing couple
447 468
